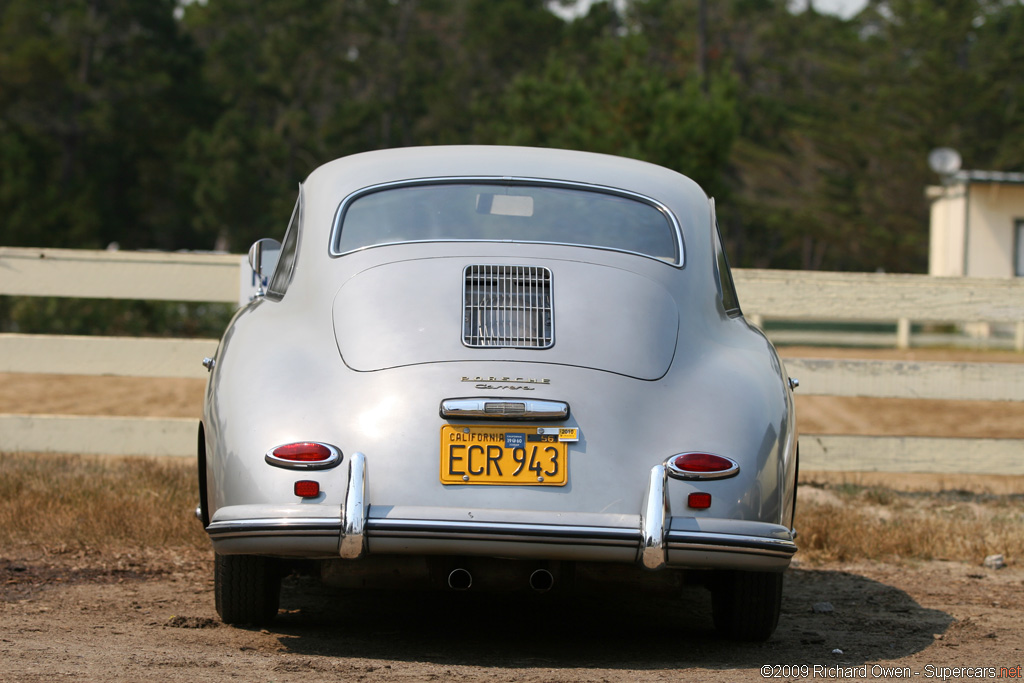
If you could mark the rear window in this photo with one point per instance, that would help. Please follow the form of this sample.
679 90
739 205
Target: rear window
476 211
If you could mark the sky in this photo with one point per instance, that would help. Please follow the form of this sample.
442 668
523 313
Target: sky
843 8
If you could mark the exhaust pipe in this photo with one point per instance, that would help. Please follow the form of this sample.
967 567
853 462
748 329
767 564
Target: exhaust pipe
541 580
460 579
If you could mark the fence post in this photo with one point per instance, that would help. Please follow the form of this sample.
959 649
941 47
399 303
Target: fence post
1018 337
903 333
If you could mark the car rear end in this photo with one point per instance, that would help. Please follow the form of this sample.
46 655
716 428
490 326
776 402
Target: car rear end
480 398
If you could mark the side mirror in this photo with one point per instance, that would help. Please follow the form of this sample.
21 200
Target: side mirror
263 255
263 258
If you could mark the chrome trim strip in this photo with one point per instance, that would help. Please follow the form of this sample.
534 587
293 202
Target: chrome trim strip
700 540
652 524
506 180
353 540
333 459
486 408
282 526
687 475
502 531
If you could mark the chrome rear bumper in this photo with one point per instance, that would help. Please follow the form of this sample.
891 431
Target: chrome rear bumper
655 539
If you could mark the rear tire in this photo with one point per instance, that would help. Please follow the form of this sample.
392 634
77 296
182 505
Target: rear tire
746 605
246 588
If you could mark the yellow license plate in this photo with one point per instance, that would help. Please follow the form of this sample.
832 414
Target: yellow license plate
476 454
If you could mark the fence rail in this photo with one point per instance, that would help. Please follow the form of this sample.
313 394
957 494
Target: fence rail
787 294
117 356
119 275
811 295
765 294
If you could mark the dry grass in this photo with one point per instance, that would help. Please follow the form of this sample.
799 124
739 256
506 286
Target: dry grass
109 504
933 482
847 522
68 501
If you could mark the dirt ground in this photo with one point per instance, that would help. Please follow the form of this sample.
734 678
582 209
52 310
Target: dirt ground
149 614
135 617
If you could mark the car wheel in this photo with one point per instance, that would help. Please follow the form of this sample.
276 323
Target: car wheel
246 588
746 605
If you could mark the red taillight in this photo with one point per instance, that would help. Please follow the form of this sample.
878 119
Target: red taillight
701 466
303 452
307 489
304 455
699 501
701 462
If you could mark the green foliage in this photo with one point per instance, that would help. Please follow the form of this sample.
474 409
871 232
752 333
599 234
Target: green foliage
117 318
623 104
95 99
121 120
839 117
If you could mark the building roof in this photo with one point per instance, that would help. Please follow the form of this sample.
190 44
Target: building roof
988 177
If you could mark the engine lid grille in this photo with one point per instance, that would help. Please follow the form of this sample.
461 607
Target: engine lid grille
507 307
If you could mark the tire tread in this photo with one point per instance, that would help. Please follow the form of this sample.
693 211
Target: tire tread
247 589
746 605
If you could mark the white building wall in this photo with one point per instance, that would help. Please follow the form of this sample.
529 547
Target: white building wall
992 211
946 237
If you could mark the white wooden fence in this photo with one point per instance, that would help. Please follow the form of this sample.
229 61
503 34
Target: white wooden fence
763 293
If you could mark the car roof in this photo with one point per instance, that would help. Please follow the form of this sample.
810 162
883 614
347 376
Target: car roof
327 186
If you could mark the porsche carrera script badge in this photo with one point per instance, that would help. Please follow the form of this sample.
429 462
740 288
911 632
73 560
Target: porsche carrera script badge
506 383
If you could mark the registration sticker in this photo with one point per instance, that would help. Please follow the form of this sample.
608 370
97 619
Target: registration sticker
570 434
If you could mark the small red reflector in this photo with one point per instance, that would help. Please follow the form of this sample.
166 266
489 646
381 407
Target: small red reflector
302 452
699 501
307 489
702 462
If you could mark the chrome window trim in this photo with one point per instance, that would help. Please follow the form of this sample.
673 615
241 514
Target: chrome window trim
335 236
293 231
332 460
476 408
724 280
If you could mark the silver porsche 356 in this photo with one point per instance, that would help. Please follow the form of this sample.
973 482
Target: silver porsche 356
493 368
